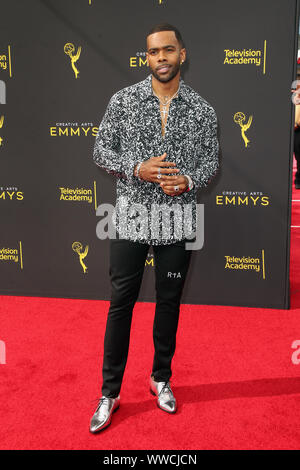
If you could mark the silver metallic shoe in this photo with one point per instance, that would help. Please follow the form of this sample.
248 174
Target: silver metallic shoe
102 416
165 398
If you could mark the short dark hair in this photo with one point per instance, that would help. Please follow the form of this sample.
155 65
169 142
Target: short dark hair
167 27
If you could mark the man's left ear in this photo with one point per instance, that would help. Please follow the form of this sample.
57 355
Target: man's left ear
183 59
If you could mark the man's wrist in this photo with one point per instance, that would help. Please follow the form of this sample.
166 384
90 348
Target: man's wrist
136 171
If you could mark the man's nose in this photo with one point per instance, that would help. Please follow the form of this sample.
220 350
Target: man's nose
161 56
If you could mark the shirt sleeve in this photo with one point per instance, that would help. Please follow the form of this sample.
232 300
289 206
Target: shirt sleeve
207 160
107 150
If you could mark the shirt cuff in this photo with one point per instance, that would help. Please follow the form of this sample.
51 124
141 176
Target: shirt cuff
129 164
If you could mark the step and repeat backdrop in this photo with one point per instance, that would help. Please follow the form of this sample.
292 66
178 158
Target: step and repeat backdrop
60 63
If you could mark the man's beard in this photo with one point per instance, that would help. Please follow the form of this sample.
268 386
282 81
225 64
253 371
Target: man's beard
166 78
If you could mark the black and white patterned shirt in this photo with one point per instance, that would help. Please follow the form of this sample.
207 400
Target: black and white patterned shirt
130 132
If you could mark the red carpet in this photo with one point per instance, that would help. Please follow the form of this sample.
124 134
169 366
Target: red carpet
236 385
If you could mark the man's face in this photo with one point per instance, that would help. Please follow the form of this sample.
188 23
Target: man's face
164 55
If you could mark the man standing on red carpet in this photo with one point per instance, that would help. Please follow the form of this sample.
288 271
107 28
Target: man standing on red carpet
159 138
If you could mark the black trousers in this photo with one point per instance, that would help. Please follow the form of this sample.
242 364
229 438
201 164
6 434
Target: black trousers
127 262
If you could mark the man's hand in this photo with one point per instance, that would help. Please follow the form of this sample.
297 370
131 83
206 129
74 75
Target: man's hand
155 166
179 180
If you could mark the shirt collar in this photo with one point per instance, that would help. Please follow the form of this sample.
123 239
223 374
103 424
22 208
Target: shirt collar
145 89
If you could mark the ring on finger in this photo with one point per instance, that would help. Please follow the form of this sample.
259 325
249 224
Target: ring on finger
176 188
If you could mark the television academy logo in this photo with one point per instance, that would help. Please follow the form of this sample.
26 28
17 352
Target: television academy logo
69 50
6 62
9 255
78 248
239 119
79 195
256 57
246 263
76 195
1 125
